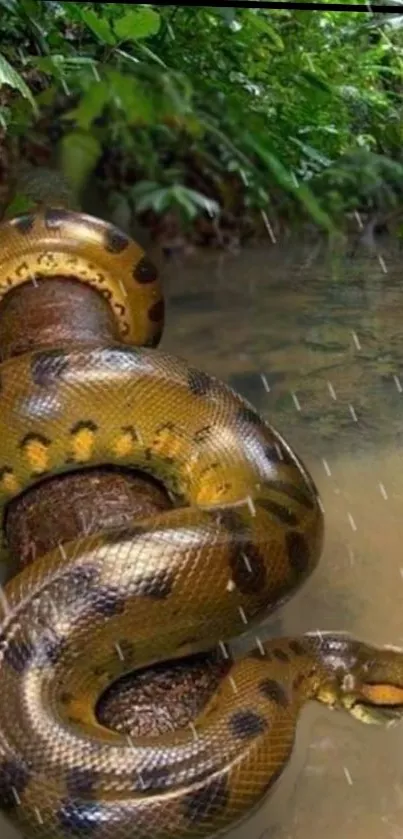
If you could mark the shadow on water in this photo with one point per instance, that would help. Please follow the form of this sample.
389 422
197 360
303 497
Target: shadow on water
318 348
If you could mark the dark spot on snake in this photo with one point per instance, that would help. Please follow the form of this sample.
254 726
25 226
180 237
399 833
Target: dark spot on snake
55 217
115 240
18 654
34 438
233 521
48 650
84 425
22 269
81 585
280 655
283 514
298 551
80 819
48 366
244 725
108 601
157 586
66 697
277 454
299 679
203 434
80 782
130 429
274 691
297 647
24 223
80 580
153 778
207 801
199 383
156 312
6 470
249 415
14 777
293 492
248 570
144 271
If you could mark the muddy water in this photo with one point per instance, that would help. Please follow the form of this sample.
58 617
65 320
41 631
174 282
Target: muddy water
317 346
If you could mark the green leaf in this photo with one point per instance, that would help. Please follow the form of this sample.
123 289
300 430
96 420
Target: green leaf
135 60
260 23
79 154
275 37
10 5
314 80
184 202
156 199
72 11
311 152
31 9
208 204
131 97
151 195
10 76
161 200
98 25
138 23
306 196
285 179
91 105
143 187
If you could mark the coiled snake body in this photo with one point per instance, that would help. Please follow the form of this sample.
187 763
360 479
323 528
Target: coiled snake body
246 530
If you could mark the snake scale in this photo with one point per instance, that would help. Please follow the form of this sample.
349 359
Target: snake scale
245 531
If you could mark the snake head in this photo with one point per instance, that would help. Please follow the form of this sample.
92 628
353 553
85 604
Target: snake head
364 680
373 690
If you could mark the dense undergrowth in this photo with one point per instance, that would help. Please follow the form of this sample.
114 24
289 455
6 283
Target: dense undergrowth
217 119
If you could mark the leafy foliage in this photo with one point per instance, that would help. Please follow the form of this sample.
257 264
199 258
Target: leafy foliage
204 109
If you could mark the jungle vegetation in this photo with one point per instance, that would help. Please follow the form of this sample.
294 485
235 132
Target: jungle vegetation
250 116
